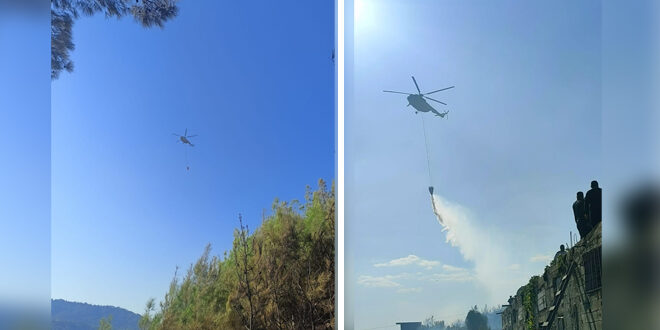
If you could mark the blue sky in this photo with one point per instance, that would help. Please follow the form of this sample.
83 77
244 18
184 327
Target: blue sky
522 137
125 212
25 166
254 81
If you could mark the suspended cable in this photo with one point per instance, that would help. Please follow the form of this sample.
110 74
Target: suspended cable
419 102
428 155
187 164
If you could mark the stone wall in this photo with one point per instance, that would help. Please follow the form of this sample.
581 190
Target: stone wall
568 295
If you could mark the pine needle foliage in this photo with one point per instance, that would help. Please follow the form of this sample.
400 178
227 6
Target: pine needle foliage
280 276
148 13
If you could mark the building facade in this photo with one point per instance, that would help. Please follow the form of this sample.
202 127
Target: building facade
410 325
568 295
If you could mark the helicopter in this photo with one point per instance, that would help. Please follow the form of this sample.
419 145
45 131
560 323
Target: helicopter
418 101
184 138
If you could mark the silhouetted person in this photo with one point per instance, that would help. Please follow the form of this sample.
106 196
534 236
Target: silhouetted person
562 251
594 204
580 213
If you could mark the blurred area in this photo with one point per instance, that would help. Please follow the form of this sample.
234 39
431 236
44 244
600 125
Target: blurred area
631 271
24 164
630 149
22 8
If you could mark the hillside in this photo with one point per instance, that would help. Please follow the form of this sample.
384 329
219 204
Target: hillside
68 315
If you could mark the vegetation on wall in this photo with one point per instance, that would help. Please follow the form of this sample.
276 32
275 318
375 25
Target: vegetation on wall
529 303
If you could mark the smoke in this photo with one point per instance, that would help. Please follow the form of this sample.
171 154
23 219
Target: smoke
481 246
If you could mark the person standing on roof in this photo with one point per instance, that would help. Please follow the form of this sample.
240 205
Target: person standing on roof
580 214
561 252
594 204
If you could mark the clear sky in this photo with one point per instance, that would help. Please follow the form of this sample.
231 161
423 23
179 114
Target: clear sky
522 137
254 80
25 165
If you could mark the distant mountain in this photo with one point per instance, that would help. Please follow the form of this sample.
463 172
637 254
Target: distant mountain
68 315
15 317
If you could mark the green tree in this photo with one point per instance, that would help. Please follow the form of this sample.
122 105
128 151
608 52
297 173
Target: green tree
456 325
476 320
146 322
105 323
433 324
281 276
244 299
64 12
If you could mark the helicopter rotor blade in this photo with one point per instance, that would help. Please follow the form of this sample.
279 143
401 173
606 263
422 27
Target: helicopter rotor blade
396 92
439 90
415 81
175 134
186 132
189 136
426 97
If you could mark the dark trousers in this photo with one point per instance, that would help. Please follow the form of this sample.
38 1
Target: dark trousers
584 227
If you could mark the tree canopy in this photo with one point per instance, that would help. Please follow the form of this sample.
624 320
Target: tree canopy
281 276
476 320
148 13
105 323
